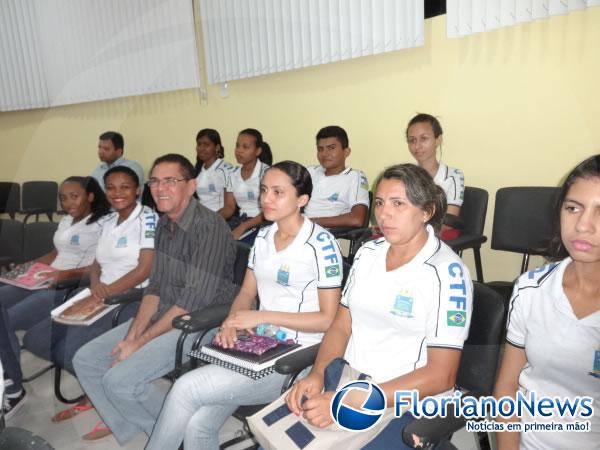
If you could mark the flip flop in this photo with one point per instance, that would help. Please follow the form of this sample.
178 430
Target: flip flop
99 431
71 412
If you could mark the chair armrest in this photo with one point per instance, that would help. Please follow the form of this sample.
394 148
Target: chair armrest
427 433
203 319
297 361
73 282
125 298
466 241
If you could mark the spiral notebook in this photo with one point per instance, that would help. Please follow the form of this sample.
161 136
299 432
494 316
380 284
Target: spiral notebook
253 366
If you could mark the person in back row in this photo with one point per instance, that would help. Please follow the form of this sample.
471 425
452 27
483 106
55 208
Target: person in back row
110 152
243 187
340 194
214 172
424 136
192 269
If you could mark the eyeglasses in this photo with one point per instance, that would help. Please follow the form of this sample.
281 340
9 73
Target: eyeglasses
168 182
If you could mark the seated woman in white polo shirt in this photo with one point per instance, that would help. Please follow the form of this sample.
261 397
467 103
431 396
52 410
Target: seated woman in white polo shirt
405 309
553 337
295 267
243 186
424 135
75 243
214 172
123 261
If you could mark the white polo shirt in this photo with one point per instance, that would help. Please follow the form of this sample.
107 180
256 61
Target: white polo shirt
211 184
397 315
246 192
560 352
119 247
289 280
452 181
75 243
335 195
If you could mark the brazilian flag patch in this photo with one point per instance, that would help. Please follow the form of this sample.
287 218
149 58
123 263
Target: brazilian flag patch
457 318
332 271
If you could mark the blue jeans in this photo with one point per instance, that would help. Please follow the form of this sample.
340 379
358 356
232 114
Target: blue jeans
22 309
58 343
201 401
10 362
124 395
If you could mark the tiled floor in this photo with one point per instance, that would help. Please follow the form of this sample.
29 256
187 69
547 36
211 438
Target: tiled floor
41 405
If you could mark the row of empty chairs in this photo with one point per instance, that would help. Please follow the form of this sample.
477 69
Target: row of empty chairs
21 242
32 198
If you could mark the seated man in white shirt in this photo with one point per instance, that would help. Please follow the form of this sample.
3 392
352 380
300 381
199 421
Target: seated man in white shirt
340 194
110 152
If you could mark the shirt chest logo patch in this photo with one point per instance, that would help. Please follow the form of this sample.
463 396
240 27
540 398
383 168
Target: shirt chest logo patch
403 305
212 187
251 195
122 242
363 182
334 197
283 275
75 239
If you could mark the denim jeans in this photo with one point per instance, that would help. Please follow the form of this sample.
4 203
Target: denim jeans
10 363
58 343
202 400
124 395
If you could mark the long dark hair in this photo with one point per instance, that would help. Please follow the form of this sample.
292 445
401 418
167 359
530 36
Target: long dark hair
100 206
590 168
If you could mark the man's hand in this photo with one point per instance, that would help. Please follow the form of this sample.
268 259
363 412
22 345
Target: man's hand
124 350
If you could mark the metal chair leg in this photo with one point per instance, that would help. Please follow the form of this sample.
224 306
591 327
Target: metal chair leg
58 393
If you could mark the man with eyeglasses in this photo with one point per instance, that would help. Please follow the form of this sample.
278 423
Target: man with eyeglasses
192 269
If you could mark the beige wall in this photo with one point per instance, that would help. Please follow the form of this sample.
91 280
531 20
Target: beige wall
519 106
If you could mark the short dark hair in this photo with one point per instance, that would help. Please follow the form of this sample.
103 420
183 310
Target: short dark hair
589 168
100 206
114 137
266 156
336 132
301 179
186 167
420 190
428 118
122 169
214 137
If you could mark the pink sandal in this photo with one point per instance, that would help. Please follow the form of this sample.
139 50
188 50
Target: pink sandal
99 431
71 412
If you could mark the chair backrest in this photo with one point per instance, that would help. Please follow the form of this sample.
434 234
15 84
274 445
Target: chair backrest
473 210
481 352
10 198
38 239
39 197
11 240
523 221
242 251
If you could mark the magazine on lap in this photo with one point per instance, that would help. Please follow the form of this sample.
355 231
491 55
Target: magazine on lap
81 310
31 276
